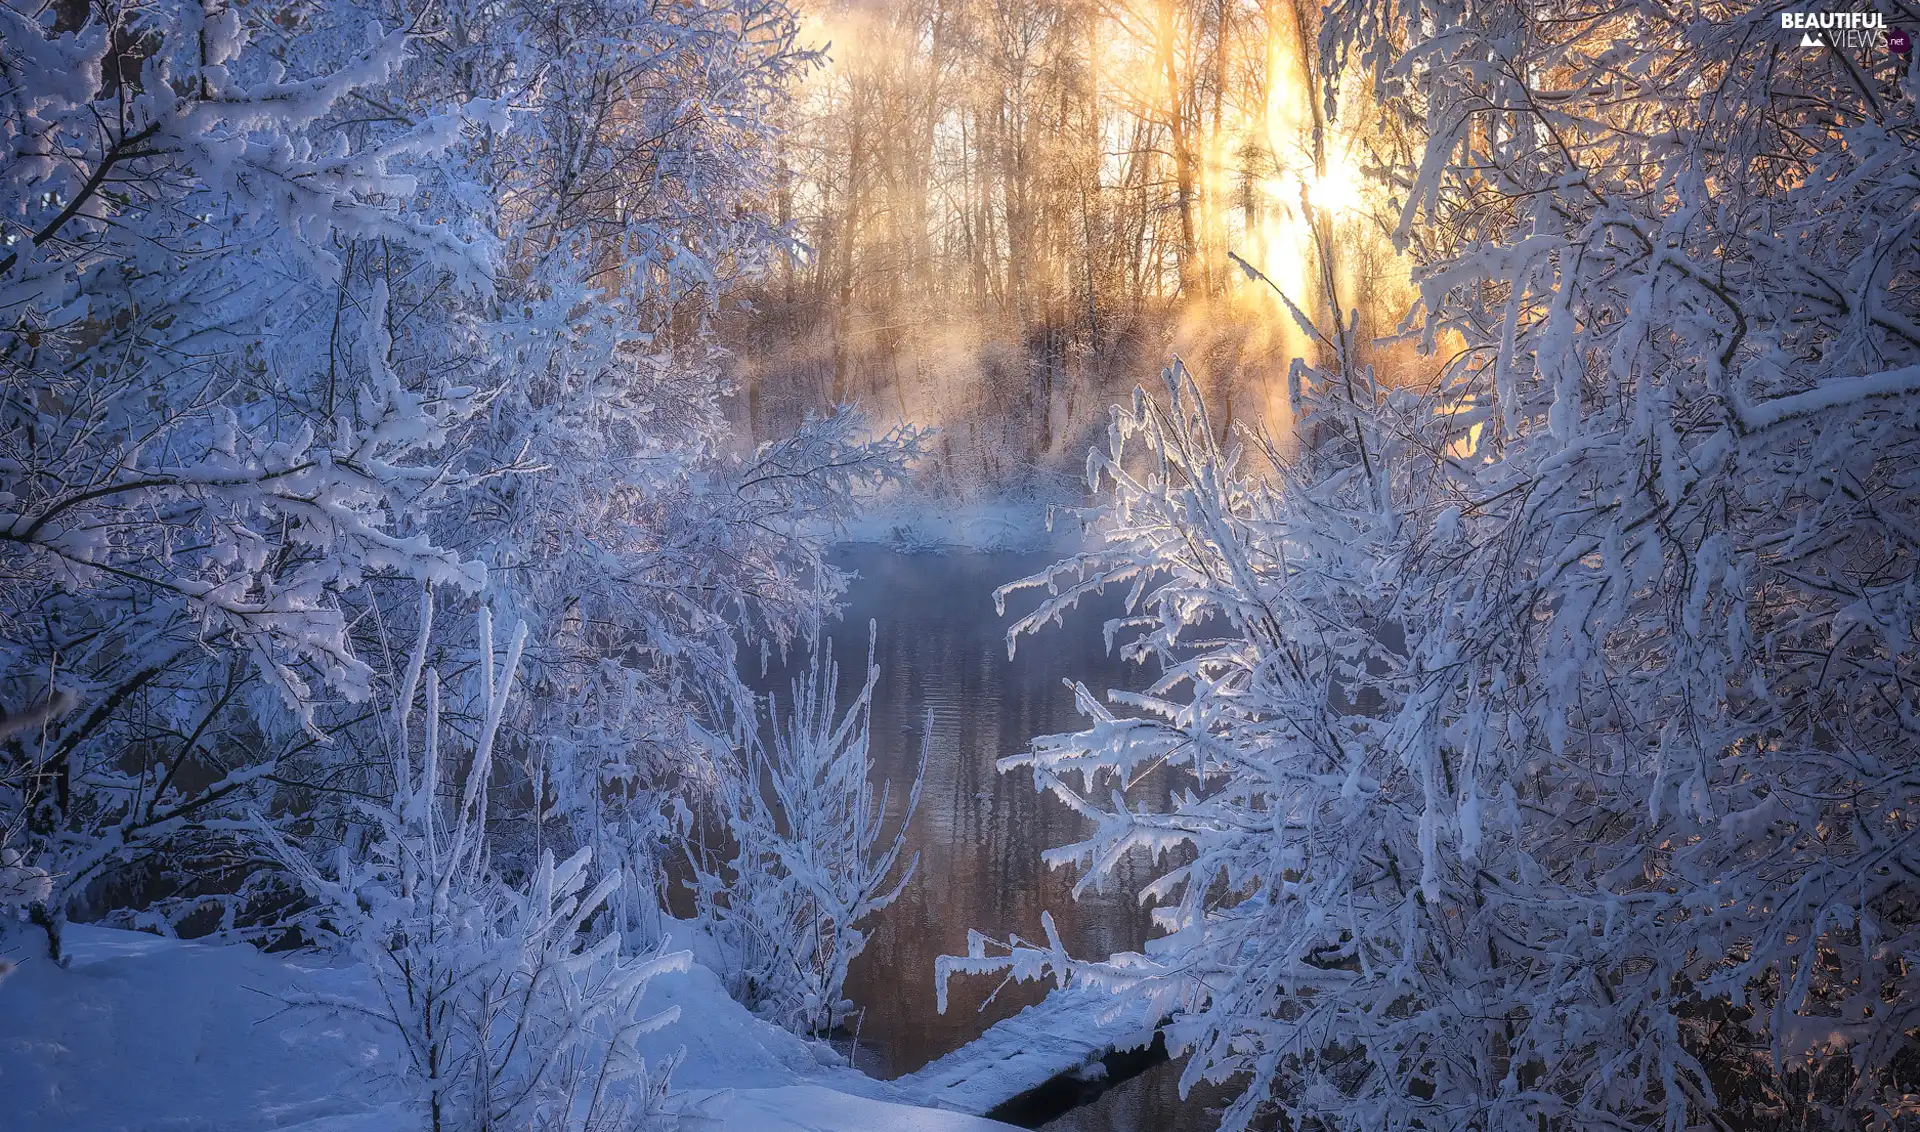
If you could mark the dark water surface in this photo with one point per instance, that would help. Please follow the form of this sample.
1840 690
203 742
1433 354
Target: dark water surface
980 833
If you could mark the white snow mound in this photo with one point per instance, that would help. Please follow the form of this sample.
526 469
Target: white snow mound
143 1034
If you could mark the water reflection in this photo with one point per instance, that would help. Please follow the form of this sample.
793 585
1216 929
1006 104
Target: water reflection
1151 1102
979 833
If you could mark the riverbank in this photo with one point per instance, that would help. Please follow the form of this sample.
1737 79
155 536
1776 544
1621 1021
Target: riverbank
144 1034
1038 513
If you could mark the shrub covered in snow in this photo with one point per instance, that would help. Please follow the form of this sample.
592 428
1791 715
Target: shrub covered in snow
511 1018
805 859
1544 739
304 306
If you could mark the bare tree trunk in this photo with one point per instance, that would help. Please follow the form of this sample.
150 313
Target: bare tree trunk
1166 30
1213 259
849 231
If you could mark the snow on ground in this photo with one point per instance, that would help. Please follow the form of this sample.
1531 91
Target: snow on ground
1068 1033
143 1034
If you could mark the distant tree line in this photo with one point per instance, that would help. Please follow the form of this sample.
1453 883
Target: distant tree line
1002 206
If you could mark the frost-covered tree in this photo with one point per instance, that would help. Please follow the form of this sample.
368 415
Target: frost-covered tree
300 316
508 1017
807 860
616 161
1543 739
196 474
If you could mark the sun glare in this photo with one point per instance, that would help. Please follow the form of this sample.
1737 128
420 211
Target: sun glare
1340 190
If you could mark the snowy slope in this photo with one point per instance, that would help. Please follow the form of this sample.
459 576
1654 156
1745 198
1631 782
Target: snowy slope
144 1034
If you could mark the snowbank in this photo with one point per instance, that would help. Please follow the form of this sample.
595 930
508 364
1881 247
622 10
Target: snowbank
141 1033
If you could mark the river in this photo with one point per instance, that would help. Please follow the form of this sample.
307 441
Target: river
979 833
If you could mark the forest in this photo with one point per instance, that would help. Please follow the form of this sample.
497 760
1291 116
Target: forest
1008 208
937 565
